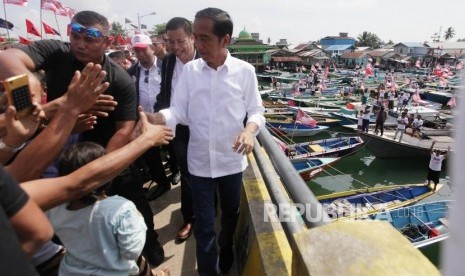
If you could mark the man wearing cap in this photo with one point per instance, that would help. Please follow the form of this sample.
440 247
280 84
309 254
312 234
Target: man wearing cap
89 33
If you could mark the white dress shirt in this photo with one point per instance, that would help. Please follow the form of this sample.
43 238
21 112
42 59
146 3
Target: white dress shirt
214 103
148 91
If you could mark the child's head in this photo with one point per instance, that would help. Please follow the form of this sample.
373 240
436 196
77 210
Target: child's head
78 155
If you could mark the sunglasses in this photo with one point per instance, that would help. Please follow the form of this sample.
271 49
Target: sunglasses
146 80
90 32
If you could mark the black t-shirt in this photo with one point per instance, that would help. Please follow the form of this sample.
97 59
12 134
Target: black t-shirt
58 62
13 260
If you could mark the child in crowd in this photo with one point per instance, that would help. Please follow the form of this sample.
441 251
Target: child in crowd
103 235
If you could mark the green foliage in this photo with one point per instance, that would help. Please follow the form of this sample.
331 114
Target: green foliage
367 39
158 28
450 33
117 29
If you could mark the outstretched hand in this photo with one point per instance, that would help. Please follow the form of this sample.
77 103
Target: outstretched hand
103 105
85 88
157 135
20 130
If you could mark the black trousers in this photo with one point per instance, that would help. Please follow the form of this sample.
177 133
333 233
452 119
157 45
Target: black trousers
180 143
129 185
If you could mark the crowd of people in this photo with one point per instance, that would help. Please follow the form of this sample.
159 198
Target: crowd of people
73 167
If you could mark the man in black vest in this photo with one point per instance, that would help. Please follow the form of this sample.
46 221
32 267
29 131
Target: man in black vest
181 43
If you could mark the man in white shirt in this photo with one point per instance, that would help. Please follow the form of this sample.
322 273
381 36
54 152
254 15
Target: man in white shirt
435 164
145 73
416 126
402 121
213 97
181 42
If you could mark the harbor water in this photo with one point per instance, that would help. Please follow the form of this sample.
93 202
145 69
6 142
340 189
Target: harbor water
363 169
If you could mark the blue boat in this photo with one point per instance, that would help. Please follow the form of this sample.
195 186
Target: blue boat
422 224
293 129
309 167
332 147
360 203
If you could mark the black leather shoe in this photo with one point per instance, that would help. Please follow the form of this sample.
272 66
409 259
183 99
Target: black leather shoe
175 178
226 261
155 257
158 191
185 232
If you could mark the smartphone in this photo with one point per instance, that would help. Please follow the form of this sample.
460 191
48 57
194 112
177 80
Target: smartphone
19 94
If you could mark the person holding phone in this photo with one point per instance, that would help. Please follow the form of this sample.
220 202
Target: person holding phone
89 38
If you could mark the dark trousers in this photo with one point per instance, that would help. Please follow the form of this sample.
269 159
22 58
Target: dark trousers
129 185
380 126
365 124
180 143
203 195
152 160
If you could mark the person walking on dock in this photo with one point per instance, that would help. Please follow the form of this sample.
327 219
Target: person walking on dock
402 121
435 164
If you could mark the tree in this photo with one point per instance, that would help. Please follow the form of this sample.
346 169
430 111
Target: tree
367 39
117 29
269 40
390 41
158 28
450 33
461 40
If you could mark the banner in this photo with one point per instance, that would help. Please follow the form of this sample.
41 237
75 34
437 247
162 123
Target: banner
23 40
6 24
17 2
31 28
49 30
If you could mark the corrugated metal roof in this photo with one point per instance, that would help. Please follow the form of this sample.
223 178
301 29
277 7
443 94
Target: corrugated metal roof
338 47
411 44
309 53
284 59
379 52
353 55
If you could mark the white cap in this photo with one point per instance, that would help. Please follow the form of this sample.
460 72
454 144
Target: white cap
140 41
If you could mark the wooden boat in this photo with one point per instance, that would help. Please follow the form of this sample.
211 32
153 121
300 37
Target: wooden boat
309 167
409 147
294 130
321 119
360 203
441 97
422 224
332 147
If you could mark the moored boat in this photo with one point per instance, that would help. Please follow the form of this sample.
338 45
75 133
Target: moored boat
422 224
332 147
309 167
360 203
293 129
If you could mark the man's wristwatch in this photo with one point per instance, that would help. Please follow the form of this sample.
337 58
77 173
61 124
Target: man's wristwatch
5 147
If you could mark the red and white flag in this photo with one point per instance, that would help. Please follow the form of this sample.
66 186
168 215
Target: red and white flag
17 2
305 119
23 40
451 102
291 103
31 29
416 97
281 144
49 5
49 30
